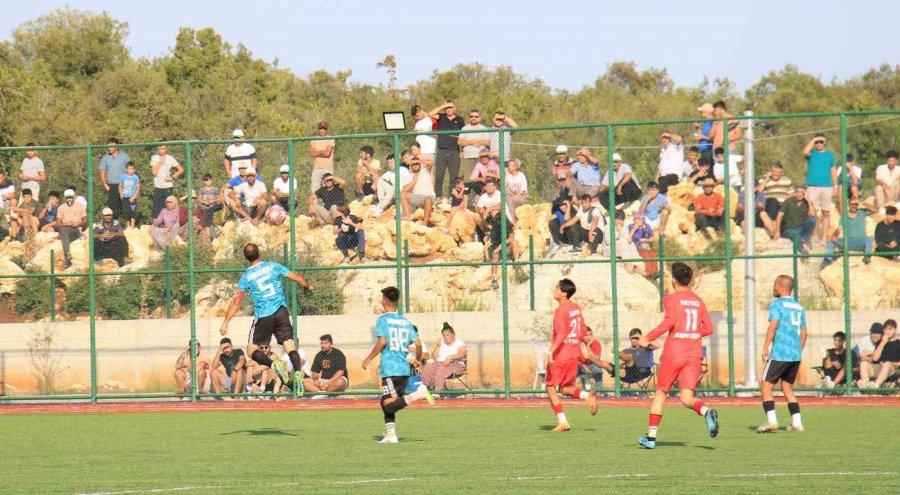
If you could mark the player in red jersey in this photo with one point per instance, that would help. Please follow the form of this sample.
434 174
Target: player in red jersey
686 321
566 351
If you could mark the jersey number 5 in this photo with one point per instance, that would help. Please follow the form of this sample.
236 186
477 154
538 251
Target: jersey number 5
266 287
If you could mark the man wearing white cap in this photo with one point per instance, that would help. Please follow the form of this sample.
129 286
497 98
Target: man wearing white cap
249 199
109 239
281 189
562 168
625 184
239 153
70 219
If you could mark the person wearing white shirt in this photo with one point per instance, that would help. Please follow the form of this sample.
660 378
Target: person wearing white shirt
239 153
447 359
887 181
384 190
254 203
161 164
516 186
671 161
427 143
734 172
281 189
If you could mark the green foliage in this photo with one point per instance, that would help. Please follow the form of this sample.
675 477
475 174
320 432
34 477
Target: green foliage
155 290
327 298
33 297
78 297
716 247
121 300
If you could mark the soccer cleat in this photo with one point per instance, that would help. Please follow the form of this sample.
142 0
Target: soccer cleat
562 427
426 393
298 383
280 369
767 428
647 443
798 429
592 403
712 422
390 439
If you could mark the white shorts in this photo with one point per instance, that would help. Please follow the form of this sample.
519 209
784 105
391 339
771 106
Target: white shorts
820 197
418 200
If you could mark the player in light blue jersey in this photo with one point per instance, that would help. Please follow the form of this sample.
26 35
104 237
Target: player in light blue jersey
785 340
263 281
395 334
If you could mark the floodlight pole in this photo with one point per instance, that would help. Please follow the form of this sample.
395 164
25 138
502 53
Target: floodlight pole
749 260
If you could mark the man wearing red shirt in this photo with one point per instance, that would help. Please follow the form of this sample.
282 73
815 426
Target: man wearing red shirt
686 321
566 350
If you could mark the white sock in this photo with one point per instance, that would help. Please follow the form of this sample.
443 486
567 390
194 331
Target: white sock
584 395
390 430
795 420
770 415
703 410
651 431
419 394
561 417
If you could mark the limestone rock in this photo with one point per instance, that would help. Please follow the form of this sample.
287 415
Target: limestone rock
874 286
7 267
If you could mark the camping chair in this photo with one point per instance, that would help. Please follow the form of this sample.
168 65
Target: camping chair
647 382
541 352
460 378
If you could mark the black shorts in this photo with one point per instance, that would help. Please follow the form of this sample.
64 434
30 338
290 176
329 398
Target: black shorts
277 324
781 370
634 374
393 386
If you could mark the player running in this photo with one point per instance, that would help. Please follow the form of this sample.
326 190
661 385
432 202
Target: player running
395 334
687 321
263 280
785 340
565 351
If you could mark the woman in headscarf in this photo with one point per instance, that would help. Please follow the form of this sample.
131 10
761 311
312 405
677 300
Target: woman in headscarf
166 226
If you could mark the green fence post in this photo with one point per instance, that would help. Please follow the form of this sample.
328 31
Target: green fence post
292 207
397 213
795 248
168 269
845 248
504 250
611 179
192 275
729 309
531 272
406 274
92 279
661 272
52 285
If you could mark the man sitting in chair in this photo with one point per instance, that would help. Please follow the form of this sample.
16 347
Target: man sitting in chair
447 359
835 359
637 361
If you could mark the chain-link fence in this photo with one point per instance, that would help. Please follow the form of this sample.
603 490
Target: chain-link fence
106 303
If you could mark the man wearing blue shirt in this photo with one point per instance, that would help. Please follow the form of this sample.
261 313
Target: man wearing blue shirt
785 339
395 335
585 175
112 168
821 180
263 281
655 207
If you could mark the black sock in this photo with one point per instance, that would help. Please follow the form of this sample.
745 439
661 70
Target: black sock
261 358
295 360
395 406
389 415
769 405
270 387
794 408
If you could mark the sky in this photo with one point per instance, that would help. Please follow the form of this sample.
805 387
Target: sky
566 44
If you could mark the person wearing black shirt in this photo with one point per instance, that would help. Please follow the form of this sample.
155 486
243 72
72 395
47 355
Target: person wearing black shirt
887 233
329 369
323 203
835 359
447 156
703 172
228 367
887 354
350 234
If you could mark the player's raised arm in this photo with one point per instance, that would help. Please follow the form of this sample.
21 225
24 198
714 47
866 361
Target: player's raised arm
301 281
232 310
376 350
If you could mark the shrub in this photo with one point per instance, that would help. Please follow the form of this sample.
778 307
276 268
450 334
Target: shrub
156 284
120 300
33 296
326 299
78 297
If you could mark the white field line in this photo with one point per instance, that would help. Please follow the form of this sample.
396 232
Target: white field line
528 478
776 475
222 487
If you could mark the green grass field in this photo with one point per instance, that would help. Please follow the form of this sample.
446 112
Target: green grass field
446 451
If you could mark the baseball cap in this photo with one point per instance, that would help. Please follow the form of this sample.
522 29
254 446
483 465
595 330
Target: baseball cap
890 210
323 125
876 328
285 168
706 107
617 157
106 211
238 133
562 149
652 185
68 193
250 171
242 165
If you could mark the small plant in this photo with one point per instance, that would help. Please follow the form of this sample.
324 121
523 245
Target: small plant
121 300
46 362
33 296
541 326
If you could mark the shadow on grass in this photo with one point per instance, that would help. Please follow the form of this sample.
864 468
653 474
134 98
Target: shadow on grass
262 432
550 428
402 439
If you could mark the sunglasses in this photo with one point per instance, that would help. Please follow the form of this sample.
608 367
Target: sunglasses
474 116
635 338
820 142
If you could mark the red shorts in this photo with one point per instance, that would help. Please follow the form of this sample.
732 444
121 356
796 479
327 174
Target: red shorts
684 369
562 373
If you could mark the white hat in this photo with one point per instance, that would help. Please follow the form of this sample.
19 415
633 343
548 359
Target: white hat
562 149
617 157
107 211
249 171
238 133
68 193
285 168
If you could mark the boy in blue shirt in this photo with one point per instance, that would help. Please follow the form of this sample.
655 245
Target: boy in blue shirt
394 334
129 191
787 337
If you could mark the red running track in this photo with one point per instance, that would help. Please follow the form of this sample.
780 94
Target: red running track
360 404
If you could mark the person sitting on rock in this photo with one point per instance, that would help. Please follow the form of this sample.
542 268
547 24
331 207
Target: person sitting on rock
562 232
323 203
419 193
856 231
486 168
350 234
486 207
109 239
459 201
249 199
709 209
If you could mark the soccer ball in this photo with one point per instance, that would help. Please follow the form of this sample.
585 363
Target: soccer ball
275 215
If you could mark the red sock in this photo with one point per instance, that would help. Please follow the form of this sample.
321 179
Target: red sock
697 406
557 408
655 420
577 393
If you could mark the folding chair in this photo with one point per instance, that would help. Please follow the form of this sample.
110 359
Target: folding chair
541 351
647 382
461 377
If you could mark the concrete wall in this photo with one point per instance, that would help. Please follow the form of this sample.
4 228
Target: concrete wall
140 355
